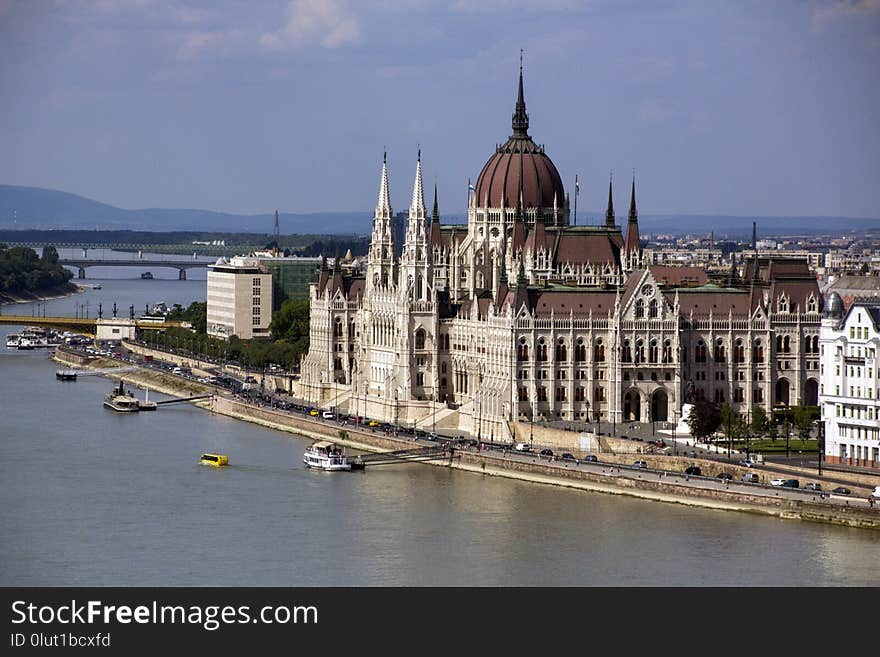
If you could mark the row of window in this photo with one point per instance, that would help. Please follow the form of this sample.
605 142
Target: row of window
855 412
854 391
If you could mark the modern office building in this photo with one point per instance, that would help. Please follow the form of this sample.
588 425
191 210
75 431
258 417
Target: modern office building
239 298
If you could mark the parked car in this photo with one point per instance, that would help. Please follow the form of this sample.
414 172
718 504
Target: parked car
693 470
746 464
791 483
567 457
751 478
313 412
522 447
591 458
327 415
813 486
777 481
876 492
842 490
546 452
640 464
724 475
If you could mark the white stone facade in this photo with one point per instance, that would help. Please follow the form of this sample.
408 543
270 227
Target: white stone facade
850 379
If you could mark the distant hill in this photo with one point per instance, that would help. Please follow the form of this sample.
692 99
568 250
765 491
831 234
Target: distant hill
37 208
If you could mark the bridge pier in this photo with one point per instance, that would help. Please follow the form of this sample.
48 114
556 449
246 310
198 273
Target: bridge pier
81 273
181 275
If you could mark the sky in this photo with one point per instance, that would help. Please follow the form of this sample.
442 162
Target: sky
746 107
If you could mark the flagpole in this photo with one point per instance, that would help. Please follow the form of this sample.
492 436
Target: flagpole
576 192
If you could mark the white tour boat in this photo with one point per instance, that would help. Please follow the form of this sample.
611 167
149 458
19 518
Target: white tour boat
326 456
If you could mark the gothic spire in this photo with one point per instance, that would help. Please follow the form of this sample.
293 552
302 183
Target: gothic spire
609 213
435 212
520 117
417 206
384 204
633 213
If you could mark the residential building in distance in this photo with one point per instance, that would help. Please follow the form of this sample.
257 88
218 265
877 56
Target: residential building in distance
850 378
239 298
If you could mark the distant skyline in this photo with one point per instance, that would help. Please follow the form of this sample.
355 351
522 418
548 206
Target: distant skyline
734 108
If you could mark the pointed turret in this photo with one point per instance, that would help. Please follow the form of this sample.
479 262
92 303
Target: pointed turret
632 246
633 213
383 207
435 211
520 122
417 205
609 213
381 261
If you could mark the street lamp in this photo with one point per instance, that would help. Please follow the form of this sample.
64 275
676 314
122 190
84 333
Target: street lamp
821 442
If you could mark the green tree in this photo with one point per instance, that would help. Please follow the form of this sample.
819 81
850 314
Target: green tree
759 420
704 419
803 418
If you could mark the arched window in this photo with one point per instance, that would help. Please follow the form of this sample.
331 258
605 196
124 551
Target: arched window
598 351
653 352
667 351
420 339
719 351
700 352
652 308
640 351
786 344
443 368
561 350
626 355
778 344
759 352
522 350
640 309
542 349
739 352
580 351
337 328
815 344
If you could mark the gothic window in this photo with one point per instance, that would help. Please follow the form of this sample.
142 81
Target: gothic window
652 352
420 339
811 304
815 344
598 352
719 351
580 351
626 355
739 355
579 394
542 350
652 308
337 328
420 379
667 351
700 352
783 304
600 394
640 352
561 351
542 394
522 350
786 344
759 352
640 309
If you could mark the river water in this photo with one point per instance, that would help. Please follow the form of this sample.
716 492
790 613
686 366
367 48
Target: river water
92 497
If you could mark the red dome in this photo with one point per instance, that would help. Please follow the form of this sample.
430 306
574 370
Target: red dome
520 158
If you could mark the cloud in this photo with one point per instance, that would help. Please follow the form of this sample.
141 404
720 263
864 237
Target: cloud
842 9
327 23
478 6
196 44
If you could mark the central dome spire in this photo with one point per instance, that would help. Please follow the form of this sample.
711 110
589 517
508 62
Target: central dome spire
520 117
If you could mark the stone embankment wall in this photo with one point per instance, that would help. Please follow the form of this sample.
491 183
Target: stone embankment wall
648 486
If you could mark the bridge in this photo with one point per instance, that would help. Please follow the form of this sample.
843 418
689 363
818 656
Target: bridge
413 455
81 264
84 325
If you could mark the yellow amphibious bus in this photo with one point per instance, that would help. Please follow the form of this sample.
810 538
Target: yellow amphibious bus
216 460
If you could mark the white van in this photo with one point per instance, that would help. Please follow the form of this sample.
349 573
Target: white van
522 447
876 493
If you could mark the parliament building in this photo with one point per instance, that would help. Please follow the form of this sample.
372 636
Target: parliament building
520 316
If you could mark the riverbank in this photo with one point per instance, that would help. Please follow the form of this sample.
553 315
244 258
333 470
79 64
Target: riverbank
608 477
47 294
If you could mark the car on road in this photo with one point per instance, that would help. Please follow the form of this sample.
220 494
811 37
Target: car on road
693 470
842 490
373 423
522 447
313 412
785 483
876 492
746 463
813 486
640 464
750 478
724 475
546 452
567 457
328 415
591 458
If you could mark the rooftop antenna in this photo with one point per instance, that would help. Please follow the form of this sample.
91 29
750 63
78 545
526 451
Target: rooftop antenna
277 230
577 189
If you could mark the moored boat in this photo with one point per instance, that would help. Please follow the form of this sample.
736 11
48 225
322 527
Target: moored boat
120 400
326 456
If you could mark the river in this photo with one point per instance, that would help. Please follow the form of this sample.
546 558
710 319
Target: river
91 497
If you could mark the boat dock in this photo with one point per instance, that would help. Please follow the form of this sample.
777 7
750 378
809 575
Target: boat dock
71 375
414 455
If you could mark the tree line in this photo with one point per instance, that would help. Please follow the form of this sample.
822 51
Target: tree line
22 270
